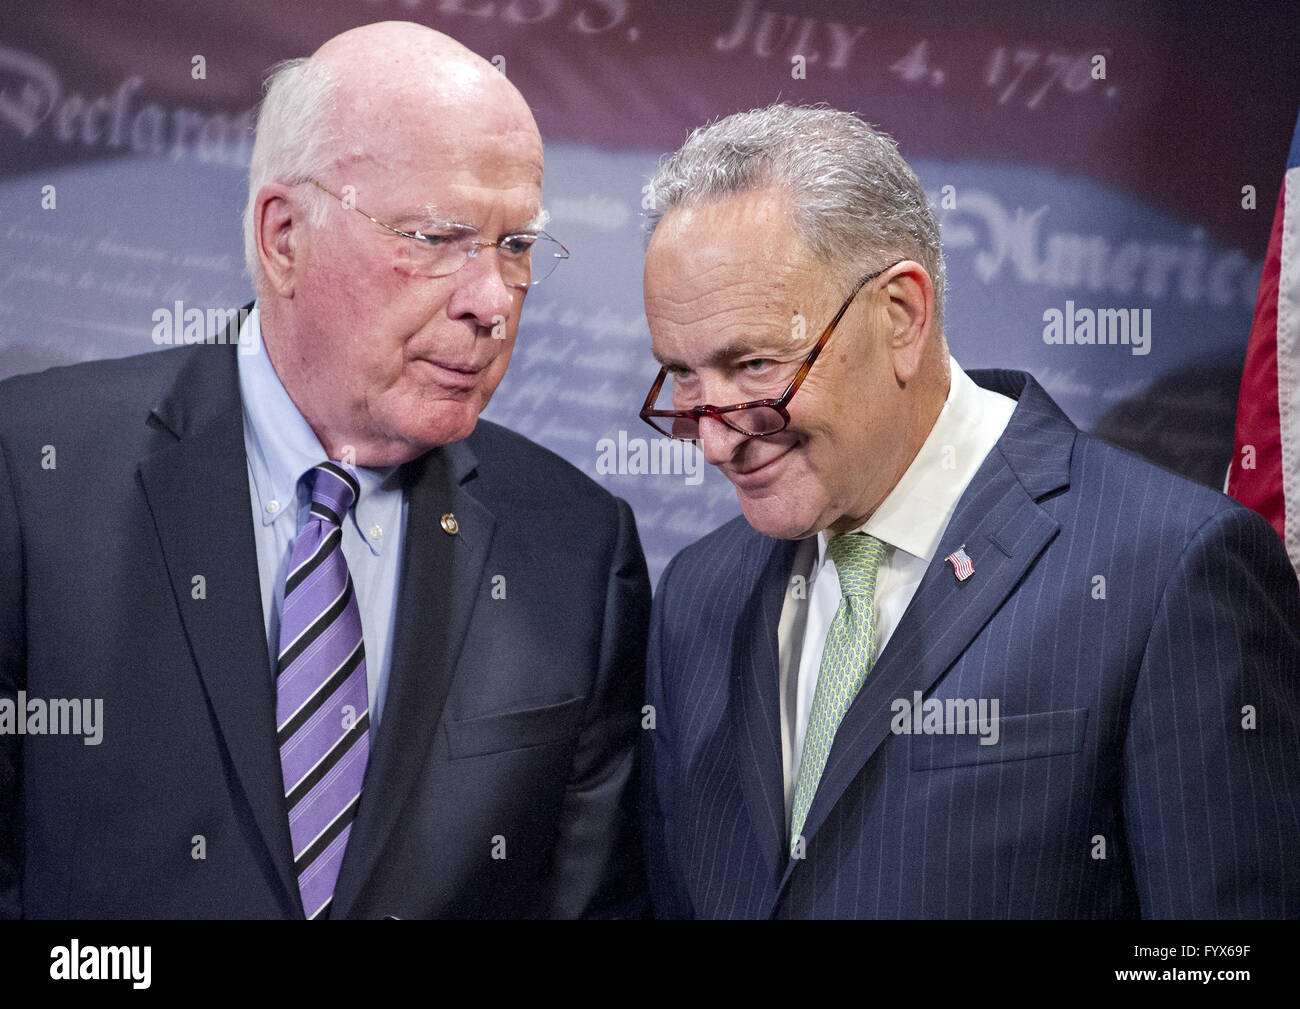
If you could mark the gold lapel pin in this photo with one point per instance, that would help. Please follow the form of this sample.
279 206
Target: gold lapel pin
450 525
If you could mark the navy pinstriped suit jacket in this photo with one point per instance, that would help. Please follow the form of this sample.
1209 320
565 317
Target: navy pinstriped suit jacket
1122 724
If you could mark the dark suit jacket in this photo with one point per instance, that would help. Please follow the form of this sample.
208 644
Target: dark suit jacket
510 718
1125 783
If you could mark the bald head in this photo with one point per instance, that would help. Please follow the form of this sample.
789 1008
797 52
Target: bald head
381 95
384 58
398 80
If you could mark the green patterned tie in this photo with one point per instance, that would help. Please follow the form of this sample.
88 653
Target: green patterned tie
847 658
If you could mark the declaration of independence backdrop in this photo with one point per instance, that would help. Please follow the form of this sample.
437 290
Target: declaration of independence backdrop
1118 156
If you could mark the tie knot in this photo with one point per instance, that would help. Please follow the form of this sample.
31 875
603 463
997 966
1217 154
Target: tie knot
333 490
857 558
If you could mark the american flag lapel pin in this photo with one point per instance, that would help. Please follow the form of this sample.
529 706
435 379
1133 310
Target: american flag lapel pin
962 566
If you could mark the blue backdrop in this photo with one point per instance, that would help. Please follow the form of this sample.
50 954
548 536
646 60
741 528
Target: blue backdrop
1141 181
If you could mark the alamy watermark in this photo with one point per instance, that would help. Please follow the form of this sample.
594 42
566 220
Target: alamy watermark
181 325
949 716
650 456
58 716
1127 327
75 962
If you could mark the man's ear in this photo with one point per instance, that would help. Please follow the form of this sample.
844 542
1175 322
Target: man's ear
276 215
911 317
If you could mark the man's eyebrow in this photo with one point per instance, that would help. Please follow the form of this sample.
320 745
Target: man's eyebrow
429 218
424 218
722 355
535 223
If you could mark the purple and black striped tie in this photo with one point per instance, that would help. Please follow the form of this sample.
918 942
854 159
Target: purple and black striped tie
322 712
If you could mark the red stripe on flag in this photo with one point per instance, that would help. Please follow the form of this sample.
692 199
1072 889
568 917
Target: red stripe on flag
1258 421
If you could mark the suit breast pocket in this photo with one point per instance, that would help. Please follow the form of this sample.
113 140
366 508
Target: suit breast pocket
515 729
1019 737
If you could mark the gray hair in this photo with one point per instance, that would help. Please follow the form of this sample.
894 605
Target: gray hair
857 203
294 141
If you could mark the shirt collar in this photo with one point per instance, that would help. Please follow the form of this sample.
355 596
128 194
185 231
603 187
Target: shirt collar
281 445
914 515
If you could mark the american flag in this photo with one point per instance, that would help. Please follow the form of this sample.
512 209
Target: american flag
962 566
1265 470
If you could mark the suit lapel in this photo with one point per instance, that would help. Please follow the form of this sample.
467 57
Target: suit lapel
206 462
440 576
755 691
1004 530
197 490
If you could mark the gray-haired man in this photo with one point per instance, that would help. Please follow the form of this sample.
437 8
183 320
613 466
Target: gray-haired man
889 690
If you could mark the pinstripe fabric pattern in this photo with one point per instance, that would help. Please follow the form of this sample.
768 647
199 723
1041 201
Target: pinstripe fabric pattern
1130 625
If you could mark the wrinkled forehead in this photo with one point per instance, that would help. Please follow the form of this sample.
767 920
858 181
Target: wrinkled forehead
414 106
425 121
730 273
744 239
448 162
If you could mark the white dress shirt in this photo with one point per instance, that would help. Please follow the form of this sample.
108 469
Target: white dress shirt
910 521
281 448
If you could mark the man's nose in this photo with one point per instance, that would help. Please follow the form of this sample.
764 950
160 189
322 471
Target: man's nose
481 292
718 442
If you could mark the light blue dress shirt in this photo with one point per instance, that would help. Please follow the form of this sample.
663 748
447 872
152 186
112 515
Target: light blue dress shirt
281 447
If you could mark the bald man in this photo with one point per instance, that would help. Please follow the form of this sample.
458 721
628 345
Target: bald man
342 649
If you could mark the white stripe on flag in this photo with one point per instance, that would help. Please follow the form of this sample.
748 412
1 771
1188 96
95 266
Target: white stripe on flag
1288 362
